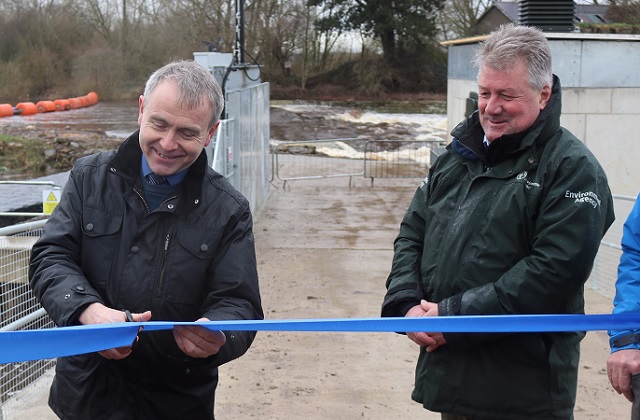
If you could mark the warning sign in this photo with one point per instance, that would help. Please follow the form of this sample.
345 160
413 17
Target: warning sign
50 199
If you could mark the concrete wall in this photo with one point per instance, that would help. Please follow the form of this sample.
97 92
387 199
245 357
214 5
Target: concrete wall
600 96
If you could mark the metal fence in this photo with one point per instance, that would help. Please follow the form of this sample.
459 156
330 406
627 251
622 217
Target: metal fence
298 160
398 158
605 268
349 157
19 311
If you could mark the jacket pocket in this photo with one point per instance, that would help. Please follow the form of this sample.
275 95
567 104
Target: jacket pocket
188 265
100 243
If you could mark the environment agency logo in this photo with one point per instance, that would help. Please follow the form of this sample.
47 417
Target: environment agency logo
522 176
583 197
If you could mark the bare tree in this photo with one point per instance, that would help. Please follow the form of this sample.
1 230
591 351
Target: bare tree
458 17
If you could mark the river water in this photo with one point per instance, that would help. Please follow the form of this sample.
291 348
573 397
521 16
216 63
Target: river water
120 120
115 119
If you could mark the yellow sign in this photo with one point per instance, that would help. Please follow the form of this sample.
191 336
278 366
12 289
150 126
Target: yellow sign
50 199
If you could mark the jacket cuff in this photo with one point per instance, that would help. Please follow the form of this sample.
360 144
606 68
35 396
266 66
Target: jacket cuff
450 306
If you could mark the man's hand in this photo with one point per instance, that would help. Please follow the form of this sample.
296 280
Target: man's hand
197 341
620 366
97 313
430 340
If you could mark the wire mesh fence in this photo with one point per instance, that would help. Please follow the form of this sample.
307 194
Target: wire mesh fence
19 310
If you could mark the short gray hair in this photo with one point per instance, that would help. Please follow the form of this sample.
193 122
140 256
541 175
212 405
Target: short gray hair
195 83
510 44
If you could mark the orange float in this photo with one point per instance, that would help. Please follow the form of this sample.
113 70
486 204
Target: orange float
6 110
45 106
75 103
62 104
27 108
92 97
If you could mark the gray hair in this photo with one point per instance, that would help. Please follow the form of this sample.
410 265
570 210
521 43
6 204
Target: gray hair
510 44
195 84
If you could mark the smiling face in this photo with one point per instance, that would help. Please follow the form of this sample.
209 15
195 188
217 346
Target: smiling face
172 135
506 101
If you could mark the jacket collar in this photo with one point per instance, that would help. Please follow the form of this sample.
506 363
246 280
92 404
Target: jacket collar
126 163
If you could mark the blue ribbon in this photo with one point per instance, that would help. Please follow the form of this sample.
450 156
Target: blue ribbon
20 346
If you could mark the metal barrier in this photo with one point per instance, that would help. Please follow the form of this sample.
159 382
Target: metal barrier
349 157
297 160
605 267
38 199
398 158
19 310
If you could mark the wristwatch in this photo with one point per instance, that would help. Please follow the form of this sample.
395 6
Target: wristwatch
626 340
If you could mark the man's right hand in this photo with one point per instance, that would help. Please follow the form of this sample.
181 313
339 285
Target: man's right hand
97 313
430 340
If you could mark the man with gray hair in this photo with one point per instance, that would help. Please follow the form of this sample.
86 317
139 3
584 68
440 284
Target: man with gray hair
150 232
508 222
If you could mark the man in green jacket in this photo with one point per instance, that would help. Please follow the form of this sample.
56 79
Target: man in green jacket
508 222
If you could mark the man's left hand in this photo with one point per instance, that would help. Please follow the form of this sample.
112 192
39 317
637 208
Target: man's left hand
621 365
197 341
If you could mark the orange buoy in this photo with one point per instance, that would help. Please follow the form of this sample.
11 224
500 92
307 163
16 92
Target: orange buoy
45 106
27 108
75 103
6 110
62 104
92 97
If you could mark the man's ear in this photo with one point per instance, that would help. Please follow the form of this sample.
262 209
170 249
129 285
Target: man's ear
545 95
140 108
210 134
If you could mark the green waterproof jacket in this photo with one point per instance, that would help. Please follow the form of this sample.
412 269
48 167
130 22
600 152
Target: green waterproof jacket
512 229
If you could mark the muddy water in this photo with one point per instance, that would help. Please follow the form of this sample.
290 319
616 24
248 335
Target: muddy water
289 121
115 119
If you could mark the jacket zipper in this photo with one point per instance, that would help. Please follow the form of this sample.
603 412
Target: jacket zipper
162 263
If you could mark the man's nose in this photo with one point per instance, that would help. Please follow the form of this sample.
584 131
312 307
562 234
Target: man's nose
494 105
169 140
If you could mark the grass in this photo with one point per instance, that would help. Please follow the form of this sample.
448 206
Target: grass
20 155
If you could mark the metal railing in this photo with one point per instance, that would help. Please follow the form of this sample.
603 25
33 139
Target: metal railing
19 310
398 158
605 267
31 183
349 157
314 159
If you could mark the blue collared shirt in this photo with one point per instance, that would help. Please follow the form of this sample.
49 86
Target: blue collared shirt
174 179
